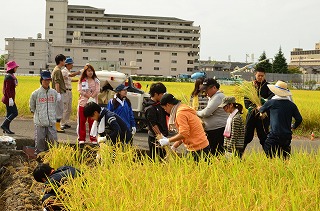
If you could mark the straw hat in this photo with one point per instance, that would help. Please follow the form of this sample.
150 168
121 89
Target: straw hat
280 89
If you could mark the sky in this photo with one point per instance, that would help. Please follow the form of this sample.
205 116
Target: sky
229 28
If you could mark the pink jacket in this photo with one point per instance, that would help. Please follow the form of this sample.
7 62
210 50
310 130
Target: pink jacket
88 87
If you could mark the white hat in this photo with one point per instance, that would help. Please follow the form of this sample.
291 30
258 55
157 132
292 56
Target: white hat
280 89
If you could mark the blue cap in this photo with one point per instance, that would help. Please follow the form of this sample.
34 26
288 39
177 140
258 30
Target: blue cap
46 75
120 88
69 60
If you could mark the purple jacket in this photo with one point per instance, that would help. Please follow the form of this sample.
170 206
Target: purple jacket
9 88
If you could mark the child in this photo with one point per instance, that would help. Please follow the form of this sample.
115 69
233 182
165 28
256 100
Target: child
282 110
121 105
156 117
111 126
198 99
44 173
234 130
89 87
43 106
9 93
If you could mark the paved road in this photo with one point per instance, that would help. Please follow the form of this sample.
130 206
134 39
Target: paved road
24 130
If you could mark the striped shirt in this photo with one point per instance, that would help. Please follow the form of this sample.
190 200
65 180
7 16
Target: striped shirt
236 140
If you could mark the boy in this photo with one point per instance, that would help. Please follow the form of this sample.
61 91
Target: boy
282 110
156 117
44 173
111 126
42 104
59 85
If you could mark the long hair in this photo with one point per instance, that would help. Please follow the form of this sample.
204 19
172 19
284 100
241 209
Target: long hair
84 73
116 104
197 85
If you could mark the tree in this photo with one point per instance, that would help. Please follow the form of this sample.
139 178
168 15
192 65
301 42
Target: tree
2 61
266 65
294 70
280 64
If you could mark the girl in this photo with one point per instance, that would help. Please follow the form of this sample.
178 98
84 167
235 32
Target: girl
121 105
234 130
89 87
198 99
9 94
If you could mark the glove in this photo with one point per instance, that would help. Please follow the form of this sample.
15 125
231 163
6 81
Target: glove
164 141
58 97
134 130
173 148
102 139
11 103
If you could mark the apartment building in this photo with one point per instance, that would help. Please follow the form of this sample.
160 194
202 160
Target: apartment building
300 57
150 45
143 45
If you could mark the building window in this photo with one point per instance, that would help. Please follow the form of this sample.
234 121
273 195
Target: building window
156 68
174 69
85 50
103 51
32 44
139 52
174 61
190 62
51 9
156 61
189 69
85 58
139 60
174 54
121 52
103 59
156 53
31 54
51 17
140 68
50 40
50 24
50 32
121 59
31 63
67 49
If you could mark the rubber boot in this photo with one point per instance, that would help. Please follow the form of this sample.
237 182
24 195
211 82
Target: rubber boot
11 132
58 128
5 126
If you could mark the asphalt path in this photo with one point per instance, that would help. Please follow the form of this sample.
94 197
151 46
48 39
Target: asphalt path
24 134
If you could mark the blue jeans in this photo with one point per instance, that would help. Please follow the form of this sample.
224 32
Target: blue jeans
12 112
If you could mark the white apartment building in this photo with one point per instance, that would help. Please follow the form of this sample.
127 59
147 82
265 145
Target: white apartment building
145 45
300 57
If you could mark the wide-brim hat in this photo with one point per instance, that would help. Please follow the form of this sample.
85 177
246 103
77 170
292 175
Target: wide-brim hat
227 100
69 60
280 89
11 65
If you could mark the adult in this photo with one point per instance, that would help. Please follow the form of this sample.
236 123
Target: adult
156 117
67 96
184 121
121 105
213 116
42 103
282 110
198 99
59 85
9 94
108 124
89 88
253 119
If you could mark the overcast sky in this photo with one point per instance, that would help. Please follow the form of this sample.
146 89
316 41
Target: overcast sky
228 27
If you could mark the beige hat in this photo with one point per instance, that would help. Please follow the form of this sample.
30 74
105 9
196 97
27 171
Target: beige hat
227 100
280 89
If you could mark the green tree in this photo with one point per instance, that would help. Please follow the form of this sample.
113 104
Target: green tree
3 60
280 64
266 65
294 70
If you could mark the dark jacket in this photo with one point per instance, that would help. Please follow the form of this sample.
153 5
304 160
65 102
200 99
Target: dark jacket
155 115
9 88
115 127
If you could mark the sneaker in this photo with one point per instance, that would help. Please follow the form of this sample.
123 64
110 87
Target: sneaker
94 142
81 142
